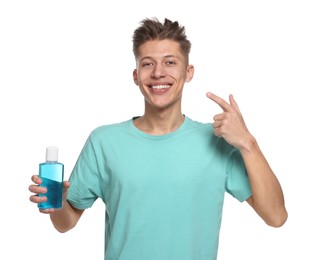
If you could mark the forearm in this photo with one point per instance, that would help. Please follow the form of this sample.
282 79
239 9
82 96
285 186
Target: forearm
267 195
65 218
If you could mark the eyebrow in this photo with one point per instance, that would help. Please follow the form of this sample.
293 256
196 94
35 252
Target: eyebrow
164 57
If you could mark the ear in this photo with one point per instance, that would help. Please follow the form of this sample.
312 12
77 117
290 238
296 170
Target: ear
190 73
135 77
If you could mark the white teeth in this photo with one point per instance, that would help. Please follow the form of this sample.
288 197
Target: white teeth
160 86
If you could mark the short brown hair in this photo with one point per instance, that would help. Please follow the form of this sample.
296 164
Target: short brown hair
153 29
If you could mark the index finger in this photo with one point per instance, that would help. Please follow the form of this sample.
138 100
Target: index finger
36 179
221 102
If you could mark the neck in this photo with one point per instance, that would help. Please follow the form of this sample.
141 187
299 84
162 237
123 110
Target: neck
159 122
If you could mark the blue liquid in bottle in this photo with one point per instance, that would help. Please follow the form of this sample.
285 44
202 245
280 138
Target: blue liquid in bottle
52 174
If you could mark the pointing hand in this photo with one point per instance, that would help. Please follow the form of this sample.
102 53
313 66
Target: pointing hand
230 124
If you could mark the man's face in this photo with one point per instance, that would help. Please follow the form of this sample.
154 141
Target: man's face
161 72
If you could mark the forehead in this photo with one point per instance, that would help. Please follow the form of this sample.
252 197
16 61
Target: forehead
159 48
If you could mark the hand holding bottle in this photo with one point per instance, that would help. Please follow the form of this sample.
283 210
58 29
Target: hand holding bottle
50 183
37 189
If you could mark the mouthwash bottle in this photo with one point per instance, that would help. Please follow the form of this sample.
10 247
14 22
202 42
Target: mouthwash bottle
52 174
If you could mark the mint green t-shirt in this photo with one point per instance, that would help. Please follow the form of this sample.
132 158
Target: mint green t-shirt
163 194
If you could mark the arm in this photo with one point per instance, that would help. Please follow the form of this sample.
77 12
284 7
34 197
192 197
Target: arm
267 196
66 218
63 219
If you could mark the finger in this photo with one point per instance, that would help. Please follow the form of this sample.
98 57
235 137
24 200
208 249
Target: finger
217 132
36 179
66 187
47 211
38 199
217 124
221 102
234 103
218 117
37 189
66 184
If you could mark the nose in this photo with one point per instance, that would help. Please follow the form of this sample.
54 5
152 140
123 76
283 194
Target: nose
158 71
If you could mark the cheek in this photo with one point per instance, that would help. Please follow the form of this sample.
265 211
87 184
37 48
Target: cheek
176 74
144 77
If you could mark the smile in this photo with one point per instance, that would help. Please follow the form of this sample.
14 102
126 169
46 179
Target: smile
160 87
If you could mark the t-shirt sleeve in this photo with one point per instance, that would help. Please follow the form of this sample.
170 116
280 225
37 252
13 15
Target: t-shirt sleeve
85 178
237 184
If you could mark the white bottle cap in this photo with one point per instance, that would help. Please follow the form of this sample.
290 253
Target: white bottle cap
51 154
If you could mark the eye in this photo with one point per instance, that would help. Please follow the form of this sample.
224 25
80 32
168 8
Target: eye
170 62
147 64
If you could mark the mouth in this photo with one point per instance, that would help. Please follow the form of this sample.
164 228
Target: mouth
160 86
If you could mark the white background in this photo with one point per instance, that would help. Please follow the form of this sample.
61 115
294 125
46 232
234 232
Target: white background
66 67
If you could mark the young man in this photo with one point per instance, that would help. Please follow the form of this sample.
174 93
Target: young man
162 175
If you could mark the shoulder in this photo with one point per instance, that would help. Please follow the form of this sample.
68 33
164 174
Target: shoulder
110 127
109 131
